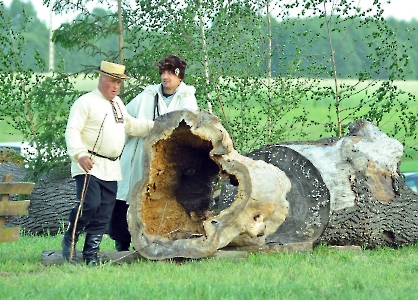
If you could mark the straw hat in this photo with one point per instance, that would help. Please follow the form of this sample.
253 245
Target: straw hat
112 70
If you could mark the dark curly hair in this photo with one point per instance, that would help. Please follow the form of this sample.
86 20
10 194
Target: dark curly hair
171 63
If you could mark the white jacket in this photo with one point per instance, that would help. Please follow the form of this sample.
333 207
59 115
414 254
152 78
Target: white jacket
142 107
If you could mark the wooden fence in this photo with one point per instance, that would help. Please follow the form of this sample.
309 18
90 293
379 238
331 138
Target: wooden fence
12 208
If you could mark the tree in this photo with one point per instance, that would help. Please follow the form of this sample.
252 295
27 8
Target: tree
33 103
254 64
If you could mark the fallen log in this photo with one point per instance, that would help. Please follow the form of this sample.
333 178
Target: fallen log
356 194
309 197
344 191
171 209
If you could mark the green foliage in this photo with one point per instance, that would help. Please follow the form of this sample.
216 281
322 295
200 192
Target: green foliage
255 71
104 33
35 104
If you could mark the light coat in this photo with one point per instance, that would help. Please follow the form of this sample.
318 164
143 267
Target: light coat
142 107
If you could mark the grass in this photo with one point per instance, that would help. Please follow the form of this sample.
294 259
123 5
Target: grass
325 274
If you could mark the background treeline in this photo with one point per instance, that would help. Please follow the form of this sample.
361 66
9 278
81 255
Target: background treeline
300 78
75 59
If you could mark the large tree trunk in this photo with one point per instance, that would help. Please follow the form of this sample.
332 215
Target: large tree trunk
171 212
355 180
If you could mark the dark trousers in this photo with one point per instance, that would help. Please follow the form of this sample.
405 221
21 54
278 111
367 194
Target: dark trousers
99 200
118 225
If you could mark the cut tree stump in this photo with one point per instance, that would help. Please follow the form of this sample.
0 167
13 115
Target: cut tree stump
309 196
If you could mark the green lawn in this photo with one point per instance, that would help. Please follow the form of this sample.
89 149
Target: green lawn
324 274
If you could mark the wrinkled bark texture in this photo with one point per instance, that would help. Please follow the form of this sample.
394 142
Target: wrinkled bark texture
357 195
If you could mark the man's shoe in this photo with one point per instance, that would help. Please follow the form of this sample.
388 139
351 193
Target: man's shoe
122 246
67 240
91 249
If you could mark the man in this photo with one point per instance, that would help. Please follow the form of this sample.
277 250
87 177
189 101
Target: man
172 94
95 137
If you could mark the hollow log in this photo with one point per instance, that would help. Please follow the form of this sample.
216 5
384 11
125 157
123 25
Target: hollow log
171 211
354 179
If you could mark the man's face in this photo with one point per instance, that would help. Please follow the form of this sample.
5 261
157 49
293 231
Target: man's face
109 86
169 81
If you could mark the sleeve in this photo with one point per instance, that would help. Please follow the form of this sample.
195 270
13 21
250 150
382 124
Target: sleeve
136 123
132 108
138 127
75 124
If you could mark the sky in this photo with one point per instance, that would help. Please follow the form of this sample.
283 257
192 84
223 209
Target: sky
399 9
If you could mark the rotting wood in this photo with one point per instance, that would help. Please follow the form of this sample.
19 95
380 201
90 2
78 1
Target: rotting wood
369 204
309 197
372 208
170 213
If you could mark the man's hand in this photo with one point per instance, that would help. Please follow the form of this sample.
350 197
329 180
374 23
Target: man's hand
86 163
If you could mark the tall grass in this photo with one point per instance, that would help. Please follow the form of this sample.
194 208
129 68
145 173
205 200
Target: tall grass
325 274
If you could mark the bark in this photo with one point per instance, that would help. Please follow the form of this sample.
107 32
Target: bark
356 178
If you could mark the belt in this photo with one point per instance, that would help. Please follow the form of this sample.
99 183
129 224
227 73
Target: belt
102 156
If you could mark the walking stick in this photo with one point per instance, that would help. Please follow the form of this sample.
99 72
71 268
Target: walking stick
83 192
77 216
